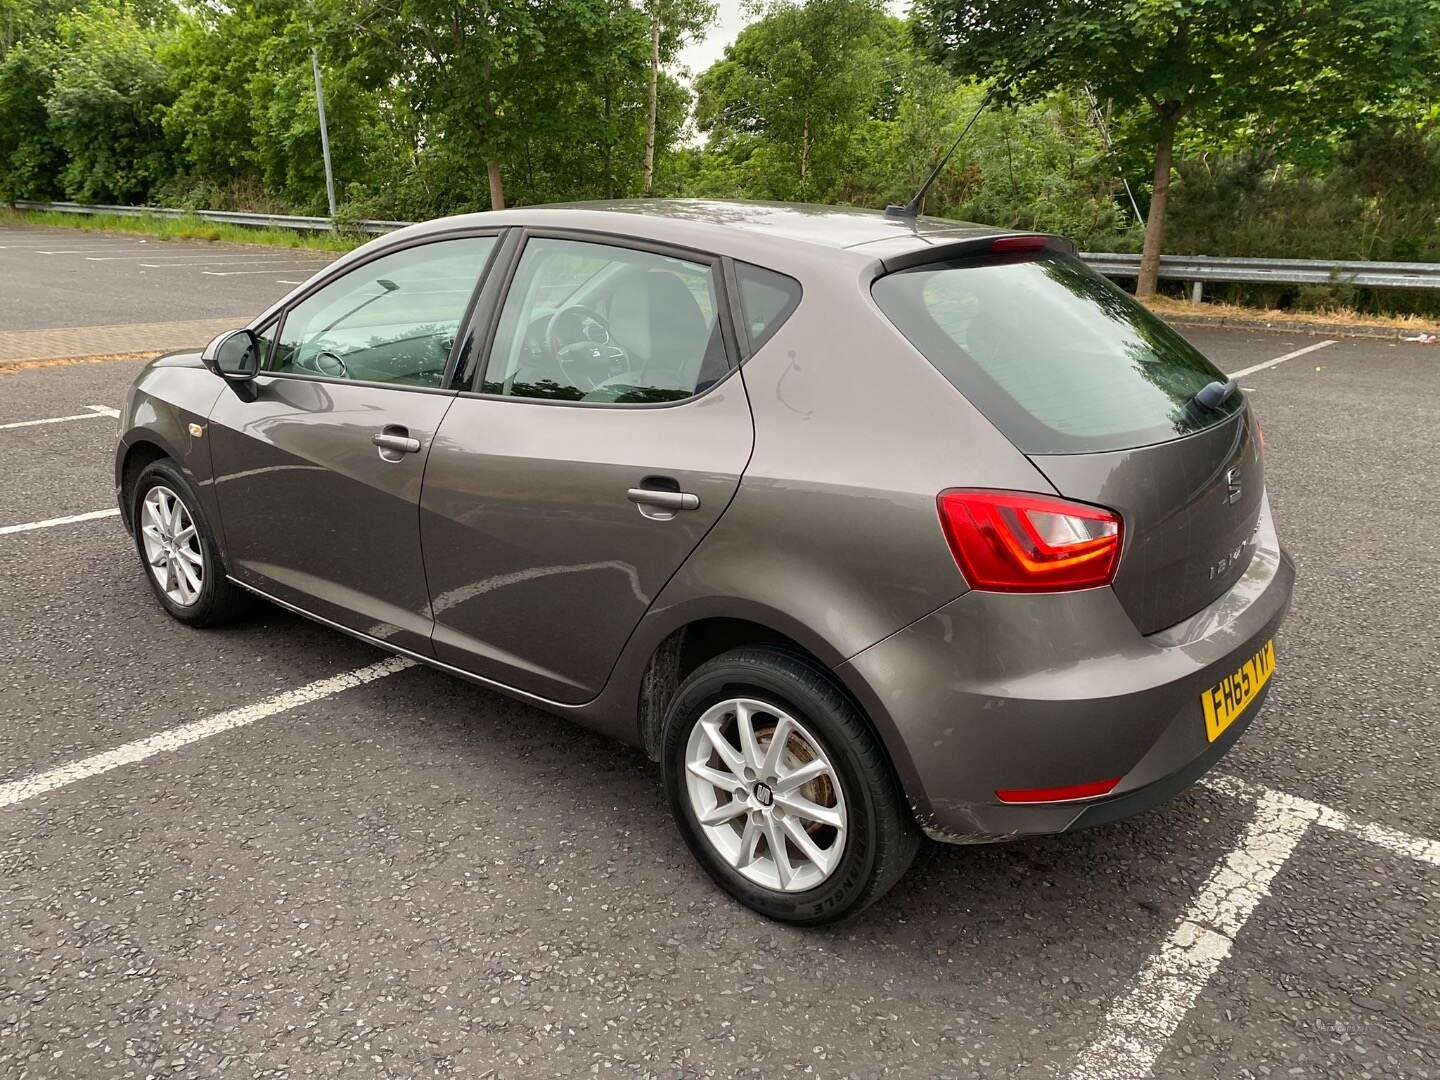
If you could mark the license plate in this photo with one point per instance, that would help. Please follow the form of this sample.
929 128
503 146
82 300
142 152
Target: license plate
1225 702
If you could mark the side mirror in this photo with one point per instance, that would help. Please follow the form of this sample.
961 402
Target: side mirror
234 356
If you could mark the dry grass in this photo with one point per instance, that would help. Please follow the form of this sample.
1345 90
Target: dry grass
184 228
1165 305
7 366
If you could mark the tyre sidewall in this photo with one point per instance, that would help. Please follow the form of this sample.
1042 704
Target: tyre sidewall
205 609
824 716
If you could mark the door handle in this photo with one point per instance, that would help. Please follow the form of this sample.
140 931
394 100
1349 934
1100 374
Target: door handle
663 500
401 443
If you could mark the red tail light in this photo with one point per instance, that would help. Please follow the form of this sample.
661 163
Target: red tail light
1092 790
1008 245
1014 541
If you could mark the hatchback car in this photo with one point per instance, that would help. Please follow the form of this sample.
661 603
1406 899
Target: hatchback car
865 528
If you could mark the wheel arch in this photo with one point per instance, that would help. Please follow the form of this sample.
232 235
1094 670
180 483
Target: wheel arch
690 642
134 456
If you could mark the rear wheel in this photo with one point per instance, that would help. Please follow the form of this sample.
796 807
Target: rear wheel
781 789
178 548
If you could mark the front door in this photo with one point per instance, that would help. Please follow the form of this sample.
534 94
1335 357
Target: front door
609 435
318 462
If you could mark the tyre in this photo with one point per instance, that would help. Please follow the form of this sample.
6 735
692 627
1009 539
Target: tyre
178 550
781 789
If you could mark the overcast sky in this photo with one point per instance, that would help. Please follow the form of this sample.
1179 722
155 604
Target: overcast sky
730 21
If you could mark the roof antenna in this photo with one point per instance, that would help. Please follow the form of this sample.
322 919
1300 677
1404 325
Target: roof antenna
911 209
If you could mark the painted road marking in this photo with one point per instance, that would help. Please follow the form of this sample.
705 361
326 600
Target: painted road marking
238 273
1139 1025
162 742
1401 843
50 523
95 412
1280 359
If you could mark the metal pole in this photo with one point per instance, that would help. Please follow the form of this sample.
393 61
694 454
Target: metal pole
324 132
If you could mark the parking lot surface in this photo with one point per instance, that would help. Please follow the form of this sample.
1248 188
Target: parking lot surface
410 876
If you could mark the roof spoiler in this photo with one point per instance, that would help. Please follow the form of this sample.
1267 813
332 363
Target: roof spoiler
999 245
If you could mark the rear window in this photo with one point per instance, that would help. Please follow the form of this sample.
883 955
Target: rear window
1059 359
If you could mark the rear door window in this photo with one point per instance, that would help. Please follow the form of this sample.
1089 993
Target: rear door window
1058 358
767 299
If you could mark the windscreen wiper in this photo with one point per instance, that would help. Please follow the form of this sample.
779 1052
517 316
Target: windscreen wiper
1213 395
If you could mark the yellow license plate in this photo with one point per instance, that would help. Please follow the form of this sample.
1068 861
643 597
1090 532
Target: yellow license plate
1227 701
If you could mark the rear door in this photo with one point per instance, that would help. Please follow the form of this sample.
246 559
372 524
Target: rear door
605 437
1102 397
315 511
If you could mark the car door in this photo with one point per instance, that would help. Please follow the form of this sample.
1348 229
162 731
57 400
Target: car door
318 462
603 440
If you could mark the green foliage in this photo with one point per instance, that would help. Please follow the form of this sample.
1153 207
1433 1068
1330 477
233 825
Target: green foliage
792 92
105 107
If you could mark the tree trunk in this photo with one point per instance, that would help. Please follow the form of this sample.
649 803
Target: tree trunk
1155 220
497 188
804 152
653 104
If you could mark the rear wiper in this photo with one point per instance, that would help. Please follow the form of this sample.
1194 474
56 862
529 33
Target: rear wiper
1213 395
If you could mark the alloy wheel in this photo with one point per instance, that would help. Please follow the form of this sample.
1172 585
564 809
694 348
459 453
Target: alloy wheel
765 794
172 546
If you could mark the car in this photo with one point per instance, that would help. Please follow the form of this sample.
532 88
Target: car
866 528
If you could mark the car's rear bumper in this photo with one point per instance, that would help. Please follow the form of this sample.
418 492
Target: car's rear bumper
1003 691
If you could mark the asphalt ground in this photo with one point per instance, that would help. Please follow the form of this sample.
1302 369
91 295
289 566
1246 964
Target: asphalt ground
70 277
416 877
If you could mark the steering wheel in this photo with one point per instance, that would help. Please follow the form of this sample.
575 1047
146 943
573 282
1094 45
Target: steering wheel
579 340
328 364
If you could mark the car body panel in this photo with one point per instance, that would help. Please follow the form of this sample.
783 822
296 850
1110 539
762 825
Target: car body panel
1191 508
313 513
170 393
529 535
1023 691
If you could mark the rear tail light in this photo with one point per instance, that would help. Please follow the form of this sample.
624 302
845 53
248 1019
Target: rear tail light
1013 541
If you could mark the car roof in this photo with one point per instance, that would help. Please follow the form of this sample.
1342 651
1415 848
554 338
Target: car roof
739 229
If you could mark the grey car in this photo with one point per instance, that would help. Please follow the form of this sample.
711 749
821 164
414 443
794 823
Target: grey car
865 528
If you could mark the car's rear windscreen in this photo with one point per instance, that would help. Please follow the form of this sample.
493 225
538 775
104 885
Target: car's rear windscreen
1059 359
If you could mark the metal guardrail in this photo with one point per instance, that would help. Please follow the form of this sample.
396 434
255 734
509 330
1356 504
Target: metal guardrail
1196 269
1203 268
229 217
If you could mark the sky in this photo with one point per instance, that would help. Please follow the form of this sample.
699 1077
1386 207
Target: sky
729 21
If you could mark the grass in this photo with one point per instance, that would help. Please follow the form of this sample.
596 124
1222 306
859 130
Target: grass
184 228
1341 316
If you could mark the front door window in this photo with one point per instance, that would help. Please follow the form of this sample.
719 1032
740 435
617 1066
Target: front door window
391 320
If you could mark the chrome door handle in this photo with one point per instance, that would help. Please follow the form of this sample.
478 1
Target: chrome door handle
401 443
665 500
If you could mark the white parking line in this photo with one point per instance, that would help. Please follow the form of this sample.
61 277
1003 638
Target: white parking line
1279 359
1401 843
238 273
1140 1024
38 784
50 523
95 412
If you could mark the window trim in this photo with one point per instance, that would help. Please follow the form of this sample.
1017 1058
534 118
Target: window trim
723 312
279 316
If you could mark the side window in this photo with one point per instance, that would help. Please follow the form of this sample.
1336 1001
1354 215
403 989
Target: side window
591 322
391 320
767 299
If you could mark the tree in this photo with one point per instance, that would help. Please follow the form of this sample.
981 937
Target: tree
673 23
794 88
1230 59
105 106
502 82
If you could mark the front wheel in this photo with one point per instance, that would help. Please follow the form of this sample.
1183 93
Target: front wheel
178 549
781 789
